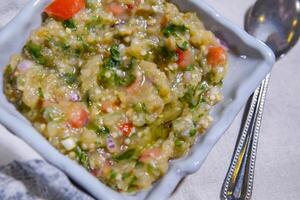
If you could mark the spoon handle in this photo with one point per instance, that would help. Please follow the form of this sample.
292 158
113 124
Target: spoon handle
238 182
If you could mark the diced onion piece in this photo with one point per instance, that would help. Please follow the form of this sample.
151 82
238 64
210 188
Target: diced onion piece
24 65
68 143
74 96
110 143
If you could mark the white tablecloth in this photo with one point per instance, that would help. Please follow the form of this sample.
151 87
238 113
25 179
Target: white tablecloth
277 174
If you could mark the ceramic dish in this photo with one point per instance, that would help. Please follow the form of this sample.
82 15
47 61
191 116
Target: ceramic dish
249 61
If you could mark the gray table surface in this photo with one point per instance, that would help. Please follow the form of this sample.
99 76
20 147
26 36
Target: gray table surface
277 174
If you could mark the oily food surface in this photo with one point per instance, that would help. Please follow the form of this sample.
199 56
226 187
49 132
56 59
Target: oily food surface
120 86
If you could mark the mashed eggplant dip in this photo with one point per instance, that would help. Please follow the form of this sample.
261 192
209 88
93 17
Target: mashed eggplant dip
119 86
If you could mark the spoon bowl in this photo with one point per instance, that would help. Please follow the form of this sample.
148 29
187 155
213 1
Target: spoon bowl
276 23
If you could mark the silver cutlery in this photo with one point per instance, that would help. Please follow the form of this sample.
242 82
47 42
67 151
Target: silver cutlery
277 23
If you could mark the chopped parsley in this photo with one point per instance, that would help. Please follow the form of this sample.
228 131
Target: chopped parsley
173 29
163 54
70 78
87 99
35 52
193 132
114 73
103 130
184 46
82 157
69 24
195 95
40 93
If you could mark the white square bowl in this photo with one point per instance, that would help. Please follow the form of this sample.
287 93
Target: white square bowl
250 61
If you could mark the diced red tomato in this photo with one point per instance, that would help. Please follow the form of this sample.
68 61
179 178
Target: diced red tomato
78 116
134 5
150 154
216 56
95 172
116 9
126 128
130 6
64 9
184 58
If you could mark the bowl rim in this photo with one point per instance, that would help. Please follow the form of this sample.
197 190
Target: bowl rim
177 171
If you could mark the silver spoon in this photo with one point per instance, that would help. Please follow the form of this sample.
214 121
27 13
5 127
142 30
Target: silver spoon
277 23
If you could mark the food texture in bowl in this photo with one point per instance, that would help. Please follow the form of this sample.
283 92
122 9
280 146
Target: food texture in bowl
120 86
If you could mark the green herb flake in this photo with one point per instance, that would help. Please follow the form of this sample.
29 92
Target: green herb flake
69 24
40 93
173 29
82 157
163 54
178 143
115 53
114 60
193 132
189 97
184 46
140 108
191 67
113 175
126 175
126 155
195 95
70 78
203 86
8 71
35 52
133 181
108 75
9 75
103 130
124 81
87 99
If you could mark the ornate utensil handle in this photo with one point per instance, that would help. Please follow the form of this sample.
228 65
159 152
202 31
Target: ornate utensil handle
238 183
